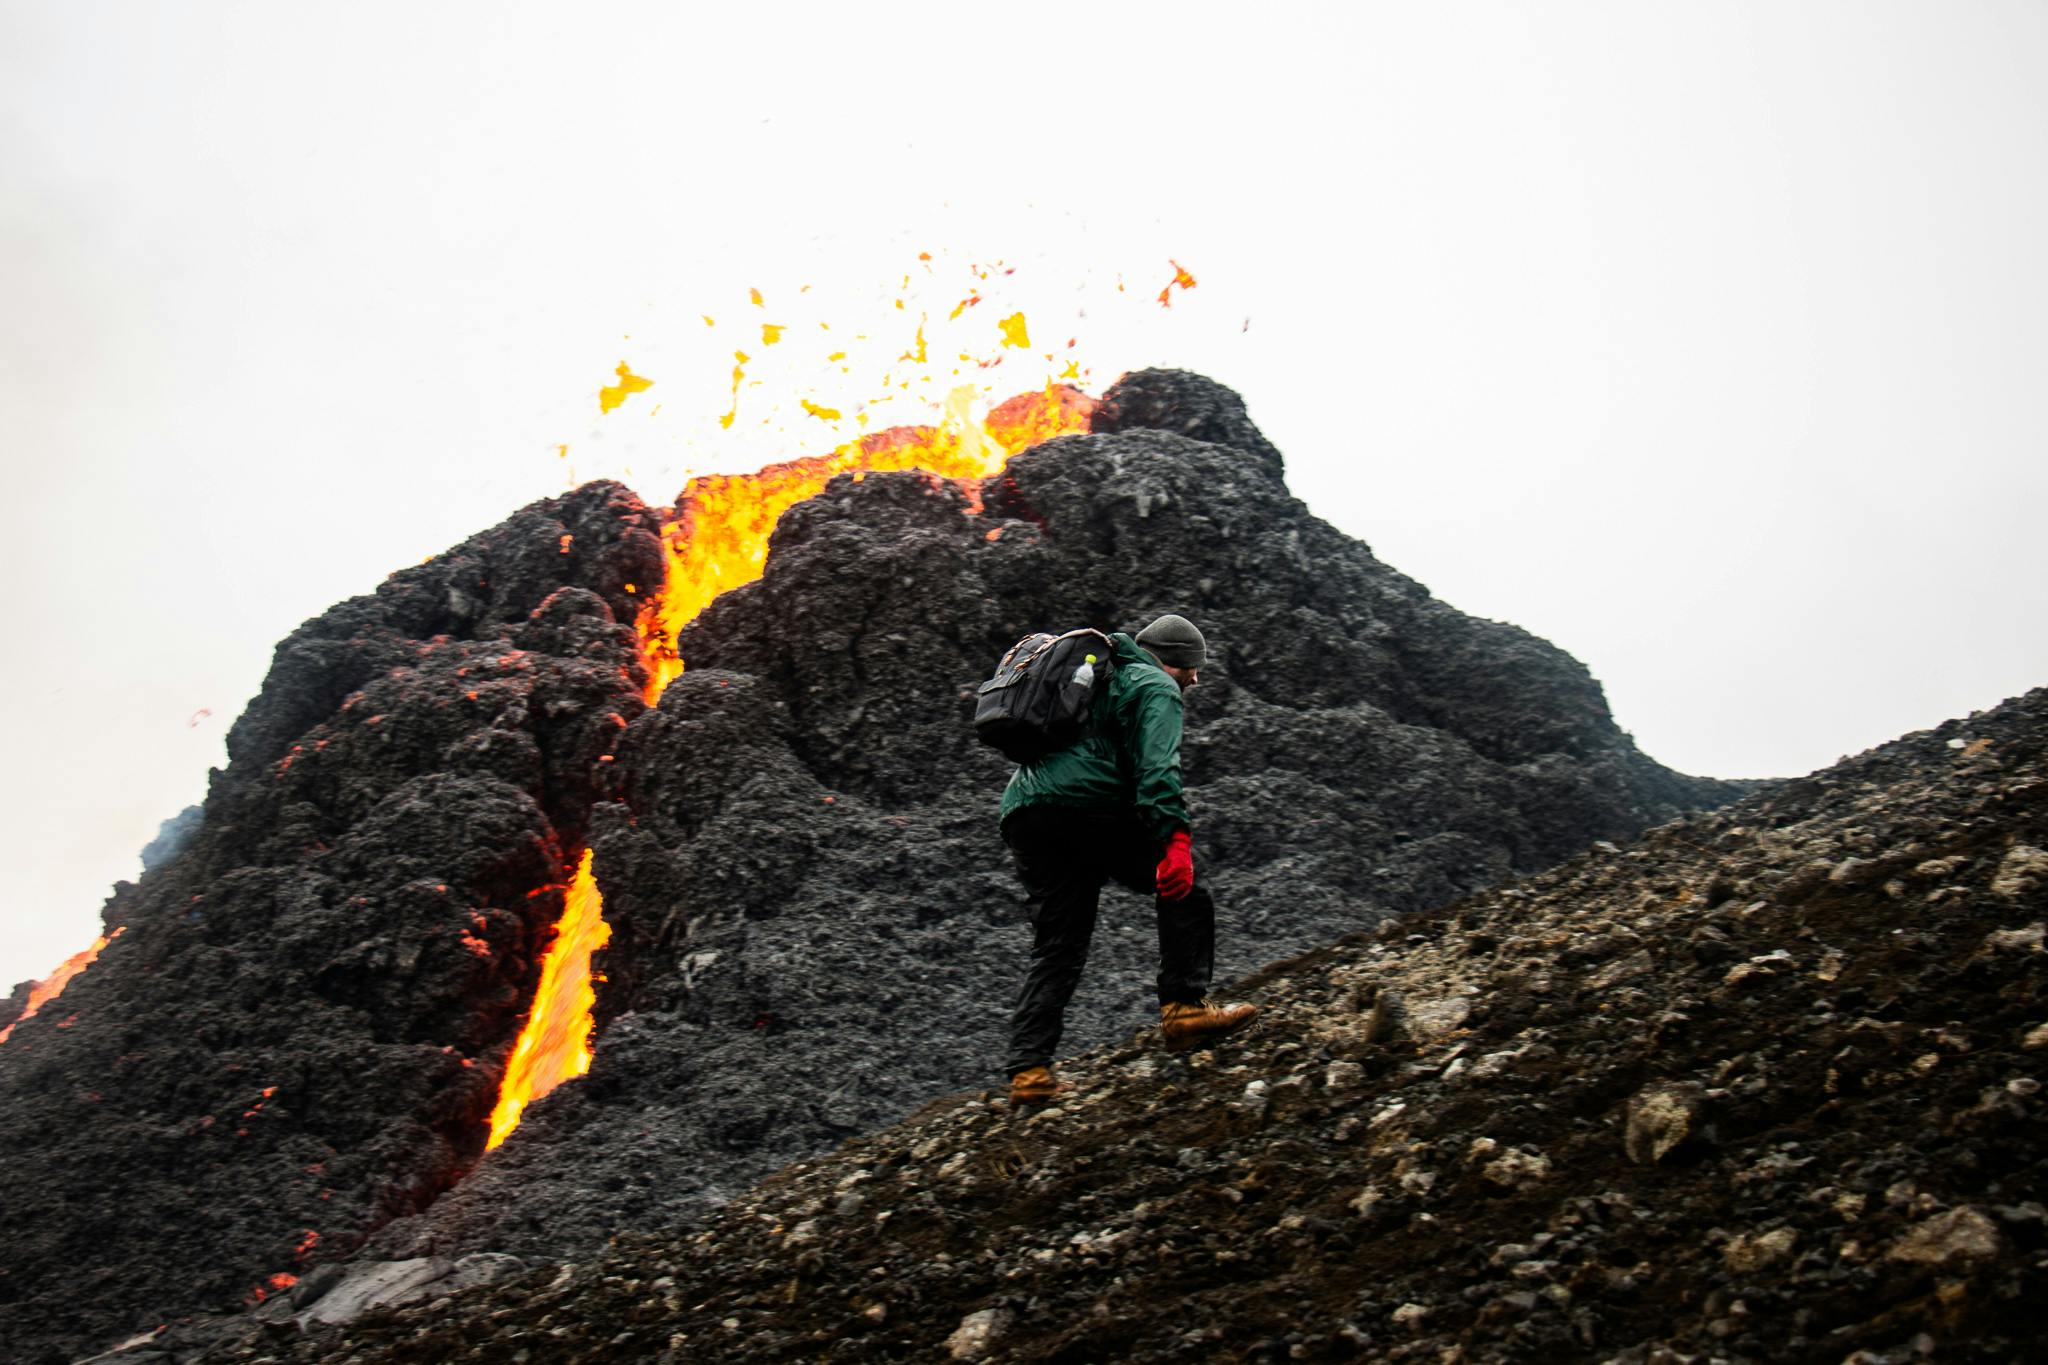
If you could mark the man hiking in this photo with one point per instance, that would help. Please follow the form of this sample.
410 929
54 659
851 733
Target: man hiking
1109 808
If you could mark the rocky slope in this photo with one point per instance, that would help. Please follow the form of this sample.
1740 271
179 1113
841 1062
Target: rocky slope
1763 1086
287 1057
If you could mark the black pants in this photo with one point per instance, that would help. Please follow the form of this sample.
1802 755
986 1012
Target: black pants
1063 858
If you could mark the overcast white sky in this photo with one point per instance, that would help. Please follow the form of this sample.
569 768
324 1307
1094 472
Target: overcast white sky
1706 341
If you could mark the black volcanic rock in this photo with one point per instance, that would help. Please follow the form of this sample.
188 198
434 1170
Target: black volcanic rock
814 925
1185 404
1764 1086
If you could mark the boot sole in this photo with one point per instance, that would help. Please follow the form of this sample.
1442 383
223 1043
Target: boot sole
1189 1041
1038 1101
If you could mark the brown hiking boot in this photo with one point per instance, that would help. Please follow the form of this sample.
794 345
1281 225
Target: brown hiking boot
1186 1025
1036 1085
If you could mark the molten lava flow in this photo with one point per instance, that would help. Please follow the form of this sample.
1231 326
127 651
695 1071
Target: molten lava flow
719 538
555 1044
52 986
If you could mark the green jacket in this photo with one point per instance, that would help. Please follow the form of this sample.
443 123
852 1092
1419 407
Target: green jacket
1131 758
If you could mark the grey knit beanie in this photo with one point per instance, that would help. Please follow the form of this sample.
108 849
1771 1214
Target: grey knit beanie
1174 640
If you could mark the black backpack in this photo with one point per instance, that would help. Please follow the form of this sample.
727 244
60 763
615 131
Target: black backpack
1043 691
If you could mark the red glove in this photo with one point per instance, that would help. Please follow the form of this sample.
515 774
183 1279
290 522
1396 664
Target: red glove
1176 872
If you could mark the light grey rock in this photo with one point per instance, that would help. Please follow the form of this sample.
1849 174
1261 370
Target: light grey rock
392 1284
1433 1019
1516 1167
1494 1064
1748 1254
2027 940
1955 1237
1659 1119
2023 869
978 1333
1418 1182
1638 963
378 1284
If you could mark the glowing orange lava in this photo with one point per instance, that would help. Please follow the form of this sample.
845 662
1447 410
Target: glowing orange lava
52 986
719 538
1030 418
555 1044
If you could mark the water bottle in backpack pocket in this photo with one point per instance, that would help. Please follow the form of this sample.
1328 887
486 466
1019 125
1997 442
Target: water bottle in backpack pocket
1042 693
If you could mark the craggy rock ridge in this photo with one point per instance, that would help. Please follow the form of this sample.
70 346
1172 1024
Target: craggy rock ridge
286 1059
1761 1087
